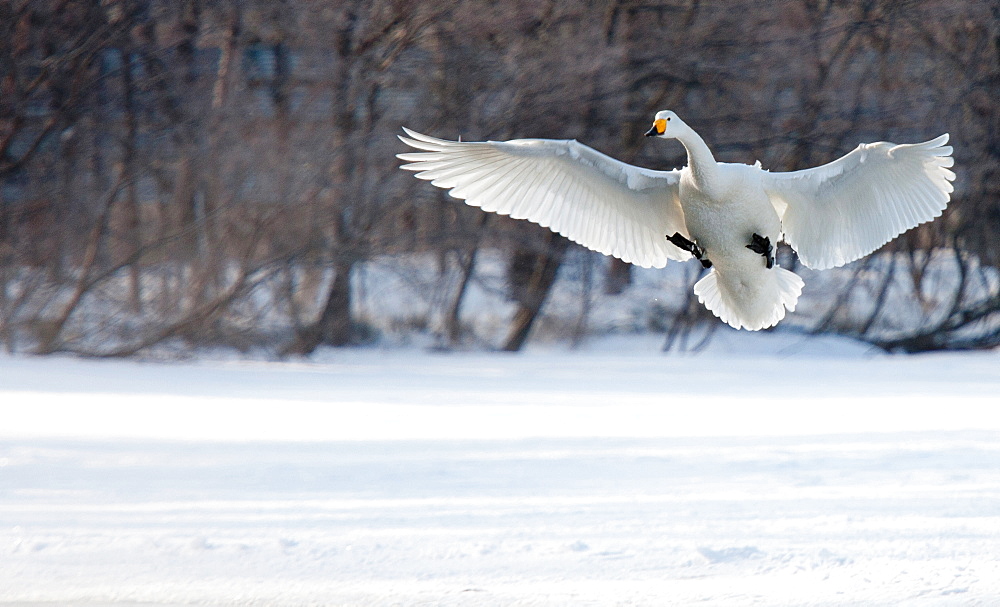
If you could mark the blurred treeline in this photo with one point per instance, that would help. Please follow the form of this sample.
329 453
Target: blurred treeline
213 172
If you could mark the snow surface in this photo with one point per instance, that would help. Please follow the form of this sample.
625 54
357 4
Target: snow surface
769 470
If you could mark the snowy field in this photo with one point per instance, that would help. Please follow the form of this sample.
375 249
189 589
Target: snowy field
769 470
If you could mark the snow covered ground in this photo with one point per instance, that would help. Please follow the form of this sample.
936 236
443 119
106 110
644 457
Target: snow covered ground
769 470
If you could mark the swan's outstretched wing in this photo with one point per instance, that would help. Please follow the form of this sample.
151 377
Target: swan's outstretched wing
592 199
844 210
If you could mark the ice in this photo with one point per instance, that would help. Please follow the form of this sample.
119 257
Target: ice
766 471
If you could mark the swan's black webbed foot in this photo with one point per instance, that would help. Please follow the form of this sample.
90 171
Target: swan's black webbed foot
761 245
686 245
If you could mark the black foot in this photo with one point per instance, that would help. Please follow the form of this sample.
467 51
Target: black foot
761 245
686 245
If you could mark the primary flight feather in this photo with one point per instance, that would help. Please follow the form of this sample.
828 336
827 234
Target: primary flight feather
728 216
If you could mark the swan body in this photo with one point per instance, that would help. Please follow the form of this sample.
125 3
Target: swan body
740 289
729 216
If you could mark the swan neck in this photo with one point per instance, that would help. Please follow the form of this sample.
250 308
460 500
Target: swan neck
700 159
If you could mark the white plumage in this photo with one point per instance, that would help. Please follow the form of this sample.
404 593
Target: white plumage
831 215
592 199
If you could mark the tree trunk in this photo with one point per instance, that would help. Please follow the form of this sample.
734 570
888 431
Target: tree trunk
532 294
453 320
618 277
335 325
133 224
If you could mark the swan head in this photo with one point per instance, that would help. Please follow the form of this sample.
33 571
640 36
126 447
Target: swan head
666 124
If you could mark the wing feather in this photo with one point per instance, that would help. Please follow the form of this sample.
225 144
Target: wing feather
592 199
844 210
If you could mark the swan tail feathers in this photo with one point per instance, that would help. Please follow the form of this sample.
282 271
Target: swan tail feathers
750 308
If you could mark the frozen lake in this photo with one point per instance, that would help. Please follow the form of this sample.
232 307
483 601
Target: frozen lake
804 474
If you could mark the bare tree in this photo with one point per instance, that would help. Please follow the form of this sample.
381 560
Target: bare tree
204 172
367 39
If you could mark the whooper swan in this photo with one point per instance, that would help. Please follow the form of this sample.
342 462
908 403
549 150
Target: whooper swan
728 216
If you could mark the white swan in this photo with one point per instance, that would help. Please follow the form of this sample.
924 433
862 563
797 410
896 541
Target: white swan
729 216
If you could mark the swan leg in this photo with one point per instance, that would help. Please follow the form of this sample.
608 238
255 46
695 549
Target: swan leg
686 245
762 246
